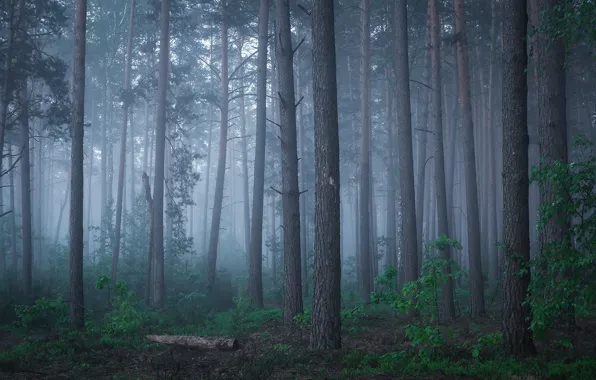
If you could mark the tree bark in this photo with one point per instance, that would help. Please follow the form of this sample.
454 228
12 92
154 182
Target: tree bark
365 147
209 146
409 240
255 270
198 342
284 55
326 319
221 159
473 220
244 152
439 161
160 146
25 164
303 200
517 335
150 255
76 299
126 100
391 244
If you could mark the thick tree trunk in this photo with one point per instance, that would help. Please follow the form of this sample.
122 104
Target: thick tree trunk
160 147
423 126
76 298
221 160
284 55
409 240
326 319
552 127
439 161
126 100
473 219
255 270
517 335
244 152
365 167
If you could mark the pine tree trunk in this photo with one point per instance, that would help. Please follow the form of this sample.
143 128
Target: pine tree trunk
448 309
221 160
160 146
25 165
76 298
122 162
255 270
517 335
365 147
326 320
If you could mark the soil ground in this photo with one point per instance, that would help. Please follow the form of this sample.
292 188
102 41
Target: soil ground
273 352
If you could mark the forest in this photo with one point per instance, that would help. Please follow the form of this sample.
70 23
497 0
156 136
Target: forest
297 189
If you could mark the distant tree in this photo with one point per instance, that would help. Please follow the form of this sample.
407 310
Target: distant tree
326 318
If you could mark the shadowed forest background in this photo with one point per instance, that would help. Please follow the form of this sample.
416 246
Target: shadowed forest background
282 189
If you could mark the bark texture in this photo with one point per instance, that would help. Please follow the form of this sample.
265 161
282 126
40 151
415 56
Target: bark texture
516 215
76 298
284 55
255 264
326 320
160 149
197 342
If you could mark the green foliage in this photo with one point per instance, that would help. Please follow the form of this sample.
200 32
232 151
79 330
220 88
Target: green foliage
48 314
573 22
564 279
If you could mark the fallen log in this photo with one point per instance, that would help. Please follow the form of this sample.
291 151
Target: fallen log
198 342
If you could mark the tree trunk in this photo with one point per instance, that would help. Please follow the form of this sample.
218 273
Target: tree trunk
365 167
273 243
13 216
493 255
244 151
104 165
409 240
439 161
390 247
160 147
26 191
473 219
303 200
221 160
197 342
150 255
517 335
89 183
209 146
131 171
423 126
126 100
552 128
255 270
284 55
326 320
76 299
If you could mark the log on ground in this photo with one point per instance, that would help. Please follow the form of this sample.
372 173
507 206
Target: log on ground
197 342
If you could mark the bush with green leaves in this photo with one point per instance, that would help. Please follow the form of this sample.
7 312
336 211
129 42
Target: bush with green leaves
564 276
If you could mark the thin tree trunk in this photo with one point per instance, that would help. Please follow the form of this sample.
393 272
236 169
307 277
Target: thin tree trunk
126 100
150 258
244 151
439 161
104 165
90 180
255 282
365 147
303 200
76 301
160 146
13 217
221 160
209 148
391 250
27 233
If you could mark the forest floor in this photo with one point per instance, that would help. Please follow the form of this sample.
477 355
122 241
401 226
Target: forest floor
375 346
